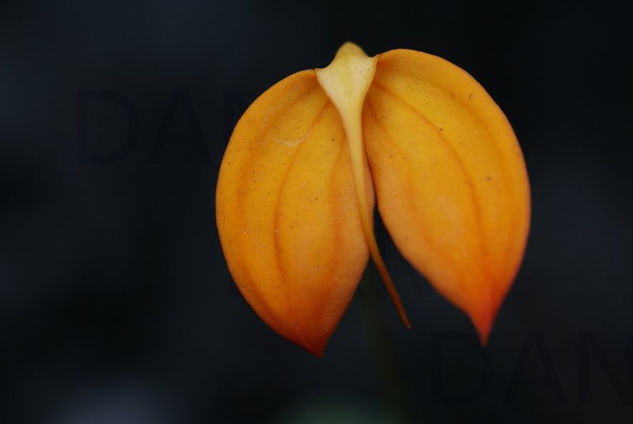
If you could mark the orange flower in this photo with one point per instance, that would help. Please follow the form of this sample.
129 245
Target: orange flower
295 194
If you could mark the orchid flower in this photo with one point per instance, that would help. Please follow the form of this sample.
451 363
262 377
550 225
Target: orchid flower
310 157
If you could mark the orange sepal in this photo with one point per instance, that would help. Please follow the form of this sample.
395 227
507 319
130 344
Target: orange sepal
450 179
286 212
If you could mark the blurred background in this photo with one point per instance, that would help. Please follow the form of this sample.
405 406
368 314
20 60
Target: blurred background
116 305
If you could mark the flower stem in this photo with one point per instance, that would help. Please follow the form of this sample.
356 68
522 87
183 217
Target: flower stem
383 352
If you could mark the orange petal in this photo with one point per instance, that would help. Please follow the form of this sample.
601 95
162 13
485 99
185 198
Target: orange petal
450 179
287 215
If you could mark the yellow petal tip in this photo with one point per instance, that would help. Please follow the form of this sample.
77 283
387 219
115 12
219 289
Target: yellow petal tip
349 48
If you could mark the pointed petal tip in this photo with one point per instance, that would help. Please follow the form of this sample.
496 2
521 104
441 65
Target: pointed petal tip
317 349
349 47
311 341
484 335
407 323
318 353
483 321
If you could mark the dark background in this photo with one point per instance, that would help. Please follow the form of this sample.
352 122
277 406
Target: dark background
115 302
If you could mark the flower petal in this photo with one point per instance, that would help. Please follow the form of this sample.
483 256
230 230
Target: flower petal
286 212
450 179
